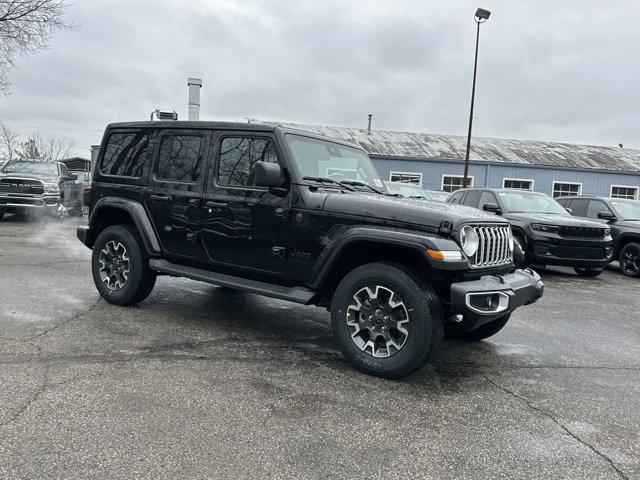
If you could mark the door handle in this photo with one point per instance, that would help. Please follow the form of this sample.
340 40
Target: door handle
160 198
211 204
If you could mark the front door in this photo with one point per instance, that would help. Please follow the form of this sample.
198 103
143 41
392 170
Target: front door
174 192
243 225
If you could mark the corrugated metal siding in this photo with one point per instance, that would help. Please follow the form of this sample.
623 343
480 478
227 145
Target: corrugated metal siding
593 183
452 148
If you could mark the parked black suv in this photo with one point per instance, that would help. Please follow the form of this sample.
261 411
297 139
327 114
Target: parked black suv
622 216
33 186
544 230
263 209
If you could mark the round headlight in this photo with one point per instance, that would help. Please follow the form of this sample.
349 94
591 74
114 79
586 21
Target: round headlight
469 241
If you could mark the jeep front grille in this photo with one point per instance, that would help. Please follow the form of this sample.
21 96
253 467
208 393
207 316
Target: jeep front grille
494 246
582 232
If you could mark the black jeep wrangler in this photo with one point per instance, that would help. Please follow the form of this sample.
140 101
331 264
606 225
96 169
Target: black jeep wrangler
623 218
296 216
29 186
544 230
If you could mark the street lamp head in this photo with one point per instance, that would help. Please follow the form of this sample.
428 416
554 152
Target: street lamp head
481 15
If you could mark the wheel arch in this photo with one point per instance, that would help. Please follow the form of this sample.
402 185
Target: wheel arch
362 248
110 211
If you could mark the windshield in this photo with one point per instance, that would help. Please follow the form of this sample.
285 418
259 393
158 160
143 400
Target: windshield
321 158
627 209
438 196
37 168
523 202
406 189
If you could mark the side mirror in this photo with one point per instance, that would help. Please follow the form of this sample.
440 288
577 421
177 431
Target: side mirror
570 210
267 174
607 216
492 207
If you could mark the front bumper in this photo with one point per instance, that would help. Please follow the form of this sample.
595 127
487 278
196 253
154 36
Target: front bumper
493 296
18 202
566 252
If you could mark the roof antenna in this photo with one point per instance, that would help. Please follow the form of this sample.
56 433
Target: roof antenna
369 124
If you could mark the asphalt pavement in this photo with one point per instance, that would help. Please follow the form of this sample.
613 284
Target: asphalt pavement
203 382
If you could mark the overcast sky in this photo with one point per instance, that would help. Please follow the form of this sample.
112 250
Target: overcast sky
564 71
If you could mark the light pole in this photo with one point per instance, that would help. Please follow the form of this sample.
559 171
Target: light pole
481 16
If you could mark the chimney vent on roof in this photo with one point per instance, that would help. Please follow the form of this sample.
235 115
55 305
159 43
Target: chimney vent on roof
369 124
194 85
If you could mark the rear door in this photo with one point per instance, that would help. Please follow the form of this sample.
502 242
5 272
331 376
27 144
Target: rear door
175 187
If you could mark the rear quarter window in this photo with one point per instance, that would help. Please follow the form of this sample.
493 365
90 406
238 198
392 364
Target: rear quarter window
126 154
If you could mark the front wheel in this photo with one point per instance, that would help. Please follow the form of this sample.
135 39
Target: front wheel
630 259
120 266
588 272
386 320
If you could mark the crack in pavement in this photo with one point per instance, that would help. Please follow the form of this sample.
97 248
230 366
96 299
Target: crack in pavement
67 320
522 399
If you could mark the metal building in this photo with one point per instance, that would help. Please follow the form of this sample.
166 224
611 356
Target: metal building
436 162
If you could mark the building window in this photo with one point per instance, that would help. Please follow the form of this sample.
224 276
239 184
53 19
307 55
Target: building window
451 183
517 183
561 189
405 177
618 191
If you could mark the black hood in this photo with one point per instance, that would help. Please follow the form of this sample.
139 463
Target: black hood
633 224
550 219
406 210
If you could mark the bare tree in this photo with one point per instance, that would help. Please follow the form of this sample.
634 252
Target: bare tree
26 26
9 144
36 147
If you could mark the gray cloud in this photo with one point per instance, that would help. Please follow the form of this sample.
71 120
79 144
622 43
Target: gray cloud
563 71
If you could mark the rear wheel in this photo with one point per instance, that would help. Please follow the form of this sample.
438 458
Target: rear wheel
386 320
630 260
460 330
588 272
521 260
120 266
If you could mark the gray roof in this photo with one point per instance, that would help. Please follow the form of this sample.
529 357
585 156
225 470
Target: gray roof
452 148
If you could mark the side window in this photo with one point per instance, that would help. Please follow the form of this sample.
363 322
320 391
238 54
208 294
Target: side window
487 197
595 207
125 154
180 158
457 197
238 156
473 198
63 170
579 207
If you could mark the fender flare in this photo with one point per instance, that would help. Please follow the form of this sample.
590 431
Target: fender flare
137 213
347 236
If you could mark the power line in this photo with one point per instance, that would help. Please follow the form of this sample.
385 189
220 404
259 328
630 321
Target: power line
54 128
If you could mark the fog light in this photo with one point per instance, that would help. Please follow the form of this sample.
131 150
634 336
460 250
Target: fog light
487 302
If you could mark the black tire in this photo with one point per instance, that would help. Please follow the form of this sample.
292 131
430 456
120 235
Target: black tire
458 330
518 242
141 279
424 324
629 259
588 272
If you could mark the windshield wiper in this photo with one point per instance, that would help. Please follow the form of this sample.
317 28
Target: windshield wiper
329 180
355 183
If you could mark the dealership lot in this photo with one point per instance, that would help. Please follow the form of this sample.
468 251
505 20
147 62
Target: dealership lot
199 382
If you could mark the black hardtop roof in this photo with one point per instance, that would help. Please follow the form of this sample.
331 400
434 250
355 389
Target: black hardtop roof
250 127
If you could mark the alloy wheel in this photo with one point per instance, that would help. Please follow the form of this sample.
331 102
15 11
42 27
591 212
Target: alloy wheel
378 319
114 265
